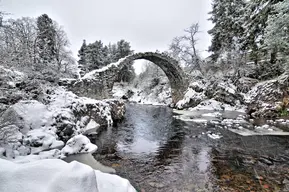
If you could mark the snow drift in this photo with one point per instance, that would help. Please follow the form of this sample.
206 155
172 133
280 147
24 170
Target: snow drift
57 175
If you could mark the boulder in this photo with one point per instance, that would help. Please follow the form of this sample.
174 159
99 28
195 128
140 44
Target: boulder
193 96
224 92
244 84
264 98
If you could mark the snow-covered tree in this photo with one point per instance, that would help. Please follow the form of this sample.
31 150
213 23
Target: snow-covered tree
277 30
123 49
226 15
82 62
17 39
46 39
22 46
255 23
96 55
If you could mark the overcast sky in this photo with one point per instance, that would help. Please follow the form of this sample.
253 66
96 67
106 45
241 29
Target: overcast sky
147 24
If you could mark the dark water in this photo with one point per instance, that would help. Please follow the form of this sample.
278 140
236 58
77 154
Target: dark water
158 152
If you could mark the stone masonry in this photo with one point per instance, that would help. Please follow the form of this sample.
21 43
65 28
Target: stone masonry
98 84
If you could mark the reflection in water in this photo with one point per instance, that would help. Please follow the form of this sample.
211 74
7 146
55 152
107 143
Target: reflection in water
157 152
139 146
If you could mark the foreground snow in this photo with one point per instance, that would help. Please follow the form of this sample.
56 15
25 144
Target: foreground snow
57 175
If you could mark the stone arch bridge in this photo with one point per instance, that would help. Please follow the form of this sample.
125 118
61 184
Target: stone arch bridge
98 83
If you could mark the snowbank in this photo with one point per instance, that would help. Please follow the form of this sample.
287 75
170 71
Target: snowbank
57 175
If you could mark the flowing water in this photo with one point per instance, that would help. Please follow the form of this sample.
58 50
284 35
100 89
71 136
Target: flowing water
158 152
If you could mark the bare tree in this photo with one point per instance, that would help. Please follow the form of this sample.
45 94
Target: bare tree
184 48
18 47
16 38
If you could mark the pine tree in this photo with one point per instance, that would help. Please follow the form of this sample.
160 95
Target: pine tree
277 31
96 55
112 52
46 37
256 20
228 30
123 49
82 54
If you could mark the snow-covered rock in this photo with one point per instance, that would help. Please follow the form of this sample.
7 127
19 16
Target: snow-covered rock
211 95
34 127
244 84
194 95
88 159
213 105
57 175
225 92
264 98
78 144
28 115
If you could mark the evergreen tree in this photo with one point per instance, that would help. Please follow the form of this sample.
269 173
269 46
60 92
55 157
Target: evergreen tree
82 54
123 49
256 20
112 52
226 15
46 37
96 55
277 30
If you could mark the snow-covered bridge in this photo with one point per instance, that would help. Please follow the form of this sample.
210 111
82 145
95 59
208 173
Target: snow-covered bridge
98 83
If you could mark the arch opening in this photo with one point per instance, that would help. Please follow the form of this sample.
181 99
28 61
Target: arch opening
171 68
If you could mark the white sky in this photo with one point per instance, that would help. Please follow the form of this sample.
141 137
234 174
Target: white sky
148 25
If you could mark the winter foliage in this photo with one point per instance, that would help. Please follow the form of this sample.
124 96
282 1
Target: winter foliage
36 45
249 31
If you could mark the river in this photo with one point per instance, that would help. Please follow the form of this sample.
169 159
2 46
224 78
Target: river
160 153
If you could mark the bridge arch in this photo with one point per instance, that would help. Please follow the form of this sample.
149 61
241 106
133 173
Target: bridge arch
98 83
177 78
